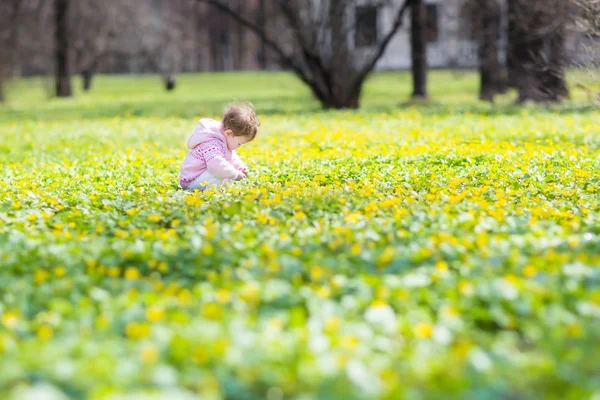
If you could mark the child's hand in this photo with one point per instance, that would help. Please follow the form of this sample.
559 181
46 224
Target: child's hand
240 175
245 171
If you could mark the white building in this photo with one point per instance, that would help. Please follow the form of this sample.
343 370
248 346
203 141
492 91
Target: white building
450 39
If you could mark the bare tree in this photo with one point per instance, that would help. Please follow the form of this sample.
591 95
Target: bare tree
261 21
418 41
587 24
318 42
95 29
536 48
160 32
485 17
63 74
9 39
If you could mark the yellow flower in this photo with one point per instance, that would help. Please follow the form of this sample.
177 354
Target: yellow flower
163 266
349 342
465 288
223 296
529 271
574 330
324 292
250 292
211 311
10 319
332 324
424 330
121 233
149 354
155 314
386 256
102 321
199 355
316 273
60 271
441 266
137 330
132 273
44 332
208 249
40 276
449 311
154 218
184 297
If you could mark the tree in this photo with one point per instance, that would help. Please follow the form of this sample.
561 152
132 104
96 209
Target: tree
95 27
160 36
63 77
536 48
323 42
9 25
261 21
587 24
418 48
485 19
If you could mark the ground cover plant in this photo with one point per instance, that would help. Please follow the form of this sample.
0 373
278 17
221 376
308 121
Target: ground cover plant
436 251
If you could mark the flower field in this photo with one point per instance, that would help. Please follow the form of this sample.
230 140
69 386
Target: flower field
379 254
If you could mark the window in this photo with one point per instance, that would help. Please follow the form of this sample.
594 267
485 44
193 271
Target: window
366 26
432 22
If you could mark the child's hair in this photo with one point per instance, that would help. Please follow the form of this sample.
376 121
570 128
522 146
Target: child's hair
241 119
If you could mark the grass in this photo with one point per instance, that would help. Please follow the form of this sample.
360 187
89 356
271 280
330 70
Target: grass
447 250
272 93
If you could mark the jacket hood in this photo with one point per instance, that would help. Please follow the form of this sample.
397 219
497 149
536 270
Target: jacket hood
206 130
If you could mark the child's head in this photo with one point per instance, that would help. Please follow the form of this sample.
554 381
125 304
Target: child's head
240 124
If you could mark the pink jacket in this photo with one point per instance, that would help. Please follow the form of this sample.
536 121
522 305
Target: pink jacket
209 152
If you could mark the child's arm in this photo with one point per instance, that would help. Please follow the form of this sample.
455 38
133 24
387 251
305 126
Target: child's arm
238 164
223 169
213 153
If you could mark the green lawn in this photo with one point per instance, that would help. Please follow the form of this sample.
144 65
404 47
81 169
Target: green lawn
446 250
272 93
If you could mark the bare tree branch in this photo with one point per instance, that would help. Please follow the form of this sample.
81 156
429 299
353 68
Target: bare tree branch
284 58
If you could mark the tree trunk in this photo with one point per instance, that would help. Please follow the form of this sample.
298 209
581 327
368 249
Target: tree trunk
512 44
324 62
170 83
539 54
418 41
556 70
339 79
489 66
63 79
527 73
240 63
86 77
2 97
350 100
262 53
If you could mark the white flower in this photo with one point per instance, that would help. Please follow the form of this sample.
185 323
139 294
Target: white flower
480 360
164 375
360 375
442 335
318 343
383 316
416 280
576 270
506 289
41 391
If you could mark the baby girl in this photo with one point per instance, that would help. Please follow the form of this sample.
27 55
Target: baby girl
212 159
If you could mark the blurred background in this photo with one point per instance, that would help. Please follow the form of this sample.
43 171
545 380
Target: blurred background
329 47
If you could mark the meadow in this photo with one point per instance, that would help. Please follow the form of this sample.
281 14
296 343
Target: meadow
442 250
